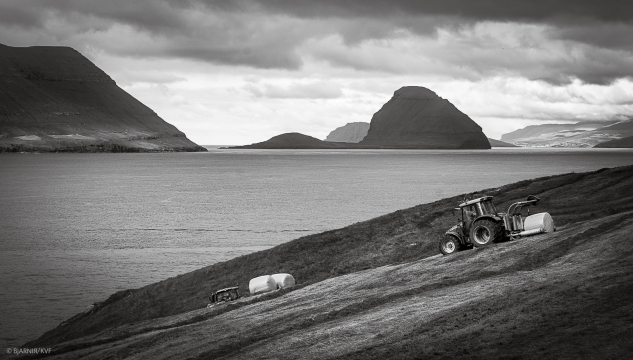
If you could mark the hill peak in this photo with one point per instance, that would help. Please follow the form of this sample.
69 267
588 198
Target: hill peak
415 117
415 92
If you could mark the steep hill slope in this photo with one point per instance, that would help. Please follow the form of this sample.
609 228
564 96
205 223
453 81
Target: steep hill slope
54 99
416 117
349 133
592 211
567 295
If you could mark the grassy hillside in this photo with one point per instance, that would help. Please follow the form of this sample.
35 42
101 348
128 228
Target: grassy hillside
403 237
565 295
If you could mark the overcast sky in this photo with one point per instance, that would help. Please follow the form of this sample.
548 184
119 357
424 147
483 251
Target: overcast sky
238 72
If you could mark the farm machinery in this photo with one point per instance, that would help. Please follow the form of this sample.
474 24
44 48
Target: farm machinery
228 294
481 224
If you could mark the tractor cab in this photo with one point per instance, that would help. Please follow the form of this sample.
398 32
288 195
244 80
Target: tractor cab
480 206
476 208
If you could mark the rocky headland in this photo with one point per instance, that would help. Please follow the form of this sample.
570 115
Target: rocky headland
415 117
378 289
53 99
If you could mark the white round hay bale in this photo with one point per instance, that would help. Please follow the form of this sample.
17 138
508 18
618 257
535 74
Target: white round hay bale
284 280
542 221
262 284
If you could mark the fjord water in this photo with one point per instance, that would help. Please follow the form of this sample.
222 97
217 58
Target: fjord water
75 228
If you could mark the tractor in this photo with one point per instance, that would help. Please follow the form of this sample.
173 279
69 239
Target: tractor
481 224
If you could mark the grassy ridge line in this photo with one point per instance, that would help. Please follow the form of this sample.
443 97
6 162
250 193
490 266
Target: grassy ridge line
384 240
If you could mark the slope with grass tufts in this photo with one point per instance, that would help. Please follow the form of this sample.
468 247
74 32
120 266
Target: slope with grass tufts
377 289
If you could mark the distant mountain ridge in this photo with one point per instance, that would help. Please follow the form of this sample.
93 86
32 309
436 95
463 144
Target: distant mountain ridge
414 118
349 133
295 141
626 142
581 134
55 99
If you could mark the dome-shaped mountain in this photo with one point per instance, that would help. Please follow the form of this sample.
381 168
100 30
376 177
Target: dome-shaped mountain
293 141
416 117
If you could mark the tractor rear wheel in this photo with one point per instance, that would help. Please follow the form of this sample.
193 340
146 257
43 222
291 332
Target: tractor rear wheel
485 232
449 244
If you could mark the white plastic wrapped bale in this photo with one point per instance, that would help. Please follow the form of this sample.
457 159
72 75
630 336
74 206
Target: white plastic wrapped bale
542 222
284 280
262 284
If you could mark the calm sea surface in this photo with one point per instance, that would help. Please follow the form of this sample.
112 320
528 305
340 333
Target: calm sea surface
74 228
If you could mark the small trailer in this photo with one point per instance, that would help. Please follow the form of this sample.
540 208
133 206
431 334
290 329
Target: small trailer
228 294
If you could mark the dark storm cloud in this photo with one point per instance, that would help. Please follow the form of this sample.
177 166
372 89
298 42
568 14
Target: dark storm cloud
15 15
154 15
478 10
160 14
615 35
268 33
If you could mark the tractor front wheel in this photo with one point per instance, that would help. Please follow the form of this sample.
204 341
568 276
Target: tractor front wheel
449 244
485 232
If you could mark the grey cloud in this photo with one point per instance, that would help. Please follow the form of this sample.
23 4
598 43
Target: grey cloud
615 35
168 29
599 23
14 13
313 90
478 10
157 77
268 33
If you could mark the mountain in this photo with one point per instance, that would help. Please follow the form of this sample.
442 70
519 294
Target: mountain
378 289
293 141
54 99
582 134
626 142
349 133
498 143
415 117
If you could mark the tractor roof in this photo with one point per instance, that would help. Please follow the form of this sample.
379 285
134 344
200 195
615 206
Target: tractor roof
474 201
